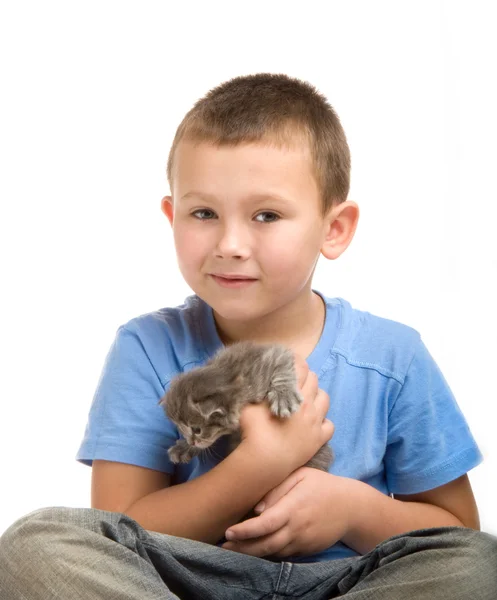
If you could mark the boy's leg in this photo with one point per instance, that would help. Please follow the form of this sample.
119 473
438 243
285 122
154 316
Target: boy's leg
447 563
85 553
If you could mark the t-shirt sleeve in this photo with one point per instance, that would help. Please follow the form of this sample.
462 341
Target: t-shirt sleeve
125 422
429 441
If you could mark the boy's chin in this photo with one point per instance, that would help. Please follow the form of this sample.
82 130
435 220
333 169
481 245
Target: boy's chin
229 312
240 306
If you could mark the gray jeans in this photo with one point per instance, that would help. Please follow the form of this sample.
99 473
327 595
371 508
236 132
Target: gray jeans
76 553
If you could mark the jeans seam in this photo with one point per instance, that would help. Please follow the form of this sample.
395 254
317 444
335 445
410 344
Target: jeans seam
284 566
274 597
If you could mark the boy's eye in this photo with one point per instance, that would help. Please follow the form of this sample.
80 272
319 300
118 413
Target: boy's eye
272 217
202 210
201 215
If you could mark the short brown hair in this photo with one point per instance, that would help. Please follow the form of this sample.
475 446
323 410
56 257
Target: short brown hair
274 109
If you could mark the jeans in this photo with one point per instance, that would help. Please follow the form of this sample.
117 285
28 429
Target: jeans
76 553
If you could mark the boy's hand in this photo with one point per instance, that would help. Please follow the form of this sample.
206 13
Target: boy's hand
286 444
307 513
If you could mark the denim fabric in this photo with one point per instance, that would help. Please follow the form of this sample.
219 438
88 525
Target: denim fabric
76 553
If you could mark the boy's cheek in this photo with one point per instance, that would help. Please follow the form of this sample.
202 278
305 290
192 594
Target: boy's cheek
189 250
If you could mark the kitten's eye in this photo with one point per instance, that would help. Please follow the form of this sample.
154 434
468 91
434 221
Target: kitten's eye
196 430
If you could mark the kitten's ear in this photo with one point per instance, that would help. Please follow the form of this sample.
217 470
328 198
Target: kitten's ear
218 411
211 409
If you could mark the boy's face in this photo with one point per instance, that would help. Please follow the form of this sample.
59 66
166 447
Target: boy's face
225 222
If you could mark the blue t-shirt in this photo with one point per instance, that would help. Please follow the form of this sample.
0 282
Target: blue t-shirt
398 427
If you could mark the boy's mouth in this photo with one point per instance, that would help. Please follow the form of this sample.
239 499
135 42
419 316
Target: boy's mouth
231 276
232 281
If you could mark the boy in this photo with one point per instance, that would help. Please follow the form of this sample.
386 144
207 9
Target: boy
259 177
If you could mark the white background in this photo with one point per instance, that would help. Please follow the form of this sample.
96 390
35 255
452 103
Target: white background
91 95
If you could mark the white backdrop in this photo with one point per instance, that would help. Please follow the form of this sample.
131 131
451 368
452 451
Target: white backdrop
91 96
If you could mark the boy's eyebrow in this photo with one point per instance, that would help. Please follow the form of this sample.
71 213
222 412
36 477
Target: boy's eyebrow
258 197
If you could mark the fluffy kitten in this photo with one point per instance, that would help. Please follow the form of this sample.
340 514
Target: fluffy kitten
205 403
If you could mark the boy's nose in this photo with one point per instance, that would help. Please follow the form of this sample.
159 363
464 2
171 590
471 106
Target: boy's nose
233 243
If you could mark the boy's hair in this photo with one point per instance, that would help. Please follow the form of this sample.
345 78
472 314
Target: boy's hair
278 110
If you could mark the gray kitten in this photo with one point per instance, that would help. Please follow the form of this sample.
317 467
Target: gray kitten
205 403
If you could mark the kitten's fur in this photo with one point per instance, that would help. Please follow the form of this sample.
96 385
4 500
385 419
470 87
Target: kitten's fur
205 403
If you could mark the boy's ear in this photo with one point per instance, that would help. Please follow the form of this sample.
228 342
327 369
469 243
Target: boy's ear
167 208
340 226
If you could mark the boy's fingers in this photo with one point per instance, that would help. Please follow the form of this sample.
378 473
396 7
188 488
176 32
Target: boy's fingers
278 492
322 403
301 369
270 521
310 387
265 546
328 429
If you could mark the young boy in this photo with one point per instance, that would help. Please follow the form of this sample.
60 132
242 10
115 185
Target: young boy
259 177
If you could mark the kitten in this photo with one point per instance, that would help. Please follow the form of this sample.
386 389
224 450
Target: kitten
205 403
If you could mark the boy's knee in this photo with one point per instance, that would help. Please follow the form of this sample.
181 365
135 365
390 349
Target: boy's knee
466 556
30 535
32 531
481 550
478 567
51 548
470 542
22 545
39 522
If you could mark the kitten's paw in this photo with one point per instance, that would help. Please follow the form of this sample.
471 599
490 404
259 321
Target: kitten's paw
284 401
182 452
174 453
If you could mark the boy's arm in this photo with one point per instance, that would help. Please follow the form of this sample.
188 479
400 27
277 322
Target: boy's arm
204 507
378 517
199 509
312 510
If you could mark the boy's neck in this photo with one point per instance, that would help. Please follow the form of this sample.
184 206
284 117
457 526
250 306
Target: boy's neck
298 326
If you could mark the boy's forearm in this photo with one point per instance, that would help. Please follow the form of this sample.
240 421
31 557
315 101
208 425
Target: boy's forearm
203 508
376 517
